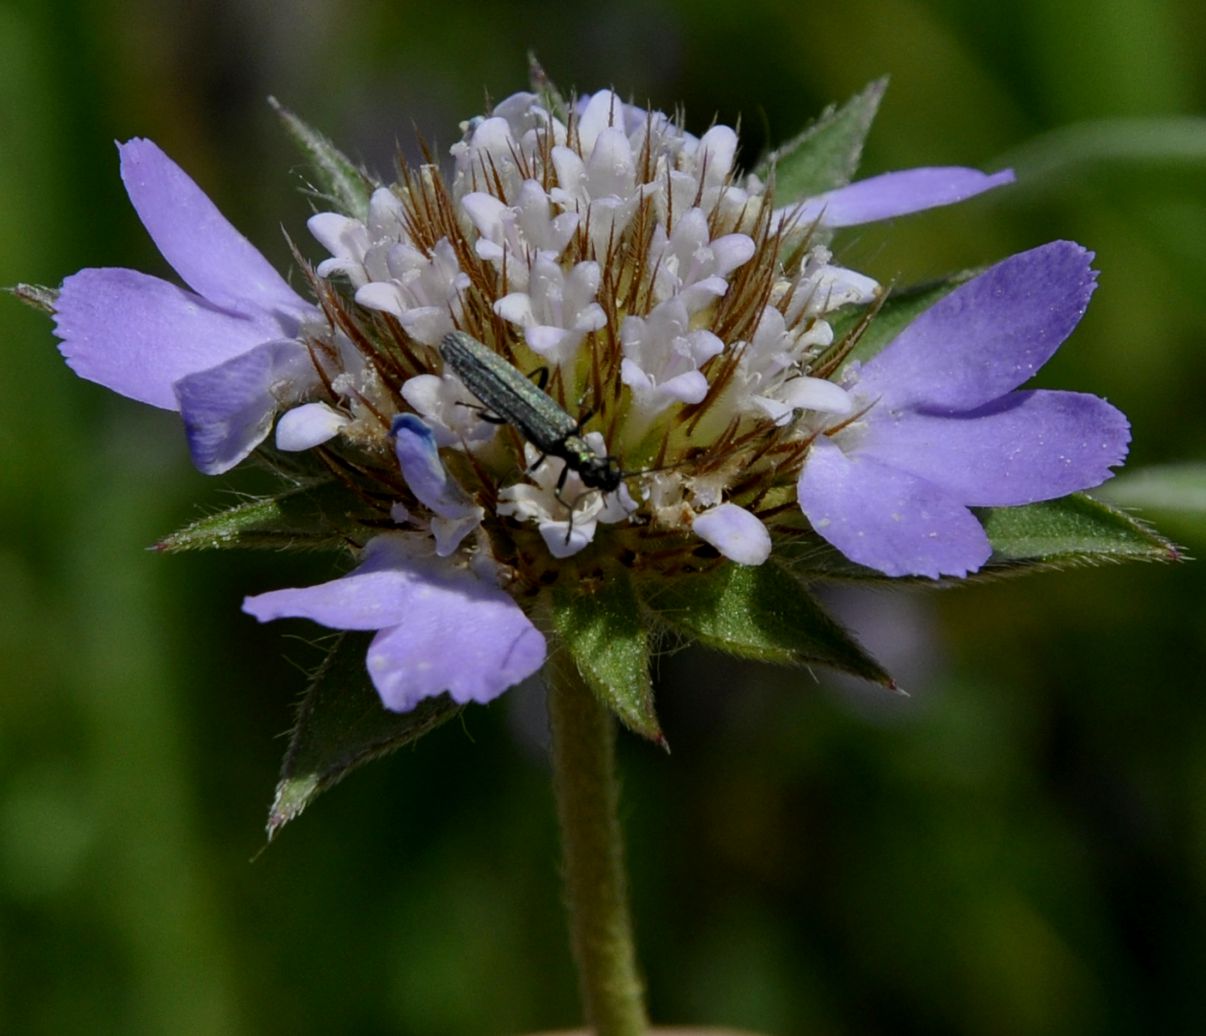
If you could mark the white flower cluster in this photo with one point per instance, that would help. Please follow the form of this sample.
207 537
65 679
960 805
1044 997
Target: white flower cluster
614 225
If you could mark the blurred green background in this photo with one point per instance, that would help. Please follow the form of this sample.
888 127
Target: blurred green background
1020 847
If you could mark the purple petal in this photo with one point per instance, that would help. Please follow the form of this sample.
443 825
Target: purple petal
1027 446
425 474
419 660
138 335
988 336
214 259
442 628
897 194
228 409
739 535
888 519
375 594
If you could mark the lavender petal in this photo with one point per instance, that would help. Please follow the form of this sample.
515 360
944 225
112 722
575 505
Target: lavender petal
988 336
739 535
202 246
138 335
380 592
228 410
461 636
1025 447
897 194
887 519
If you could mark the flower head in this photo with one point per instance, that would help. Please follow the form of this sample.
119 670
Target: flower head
658 385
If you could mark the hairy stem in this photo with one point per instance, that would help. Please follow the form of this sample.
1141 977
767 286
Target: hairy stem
584 777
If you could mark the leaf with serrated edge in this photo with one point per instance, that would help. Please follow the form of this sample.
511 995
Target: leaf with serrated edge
313 517
602 630
826 155
342 724
1073 529
761 612
339 179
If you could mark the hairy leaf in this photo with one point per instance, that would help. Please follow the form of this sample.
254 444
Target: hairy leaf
338 178
825 155
1073 529
600 625
761 612
319 516
342 724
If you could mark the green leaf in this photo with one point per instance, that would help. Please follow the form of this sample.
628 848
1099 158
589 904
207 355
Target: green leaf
39 297
342 724
339 180
1074 529
825 155
761 612
321 516
602 629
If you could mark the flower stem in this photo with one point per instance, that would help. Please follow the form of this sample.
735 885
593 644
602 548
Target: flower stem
584 778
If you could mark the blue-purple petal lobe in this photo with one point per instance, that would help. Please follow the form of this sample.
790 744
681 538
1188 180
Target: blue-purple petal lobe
887 519
1025 447
442 628
138 335
419 458
461 636
228 410
986 337
898 194
372 596
201 245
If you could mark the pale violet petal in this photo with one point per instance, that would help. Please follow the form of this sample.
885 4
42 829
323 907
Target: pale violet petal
1025 447
427 324
428 479
564 541
887 519
423 608
804 393
374 595
139 335
739 535
897 194
731 251
214 259
340 235
986 337
515 308
380 295
228 410
461 636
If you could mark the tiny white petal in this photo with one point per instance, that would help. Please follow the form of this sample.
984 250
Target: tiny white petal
806 393
381 296
308 425
739 535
